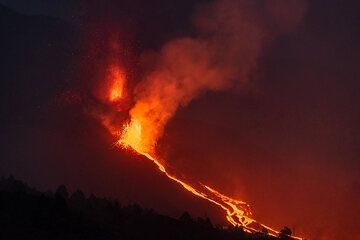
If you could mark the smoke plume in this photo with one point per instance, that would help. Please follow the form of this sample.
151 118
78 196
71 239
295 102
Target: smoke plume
230 37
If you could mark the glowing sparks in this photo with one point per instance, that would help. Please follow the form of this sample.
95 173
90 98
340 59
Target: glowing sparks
117 84
132 137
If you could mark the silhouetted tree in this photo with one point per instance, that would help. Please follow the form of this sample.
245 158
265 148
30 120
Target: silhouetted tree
186 218
206 223
34 215
62 191
77 199
285 233
49 194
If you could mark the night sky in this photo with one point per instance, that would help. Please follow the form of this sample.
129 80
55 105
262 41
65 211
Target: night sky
287 141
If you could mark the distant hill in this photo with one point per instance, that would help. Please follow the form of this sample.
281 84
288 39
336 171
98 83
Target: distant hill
26 213
36 56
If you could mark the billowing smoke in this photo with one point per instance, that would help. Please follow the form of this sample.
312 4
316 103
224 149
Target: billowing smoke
230 37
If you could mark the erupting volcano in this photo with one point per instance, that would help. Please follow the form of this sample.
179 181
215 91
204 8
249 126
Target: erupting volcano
231 35
186 119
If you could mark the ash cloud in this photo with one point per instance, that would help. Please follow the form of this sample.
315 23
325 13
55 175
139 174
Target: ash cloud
223 54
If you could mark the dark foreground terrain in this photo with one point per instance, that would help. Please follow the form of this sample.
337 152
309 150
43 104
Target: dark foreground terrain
26 213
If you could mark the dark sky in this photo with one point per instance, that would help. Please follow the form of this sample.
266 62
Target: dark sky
287 143
57 8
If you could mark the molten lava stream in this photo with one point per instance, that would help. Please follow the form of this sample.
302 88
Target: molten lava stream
237 212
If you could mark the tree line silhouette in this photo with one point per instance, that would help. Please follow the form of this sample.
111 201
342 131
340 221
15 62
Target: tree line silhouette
26 213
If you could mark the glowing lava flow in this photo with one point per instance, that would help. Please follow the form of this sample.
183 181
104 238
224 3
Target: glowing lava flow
237 212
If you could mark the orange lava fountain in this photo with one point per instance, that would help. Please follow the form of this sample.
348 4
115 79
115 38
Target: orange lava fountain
117 81
237 212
